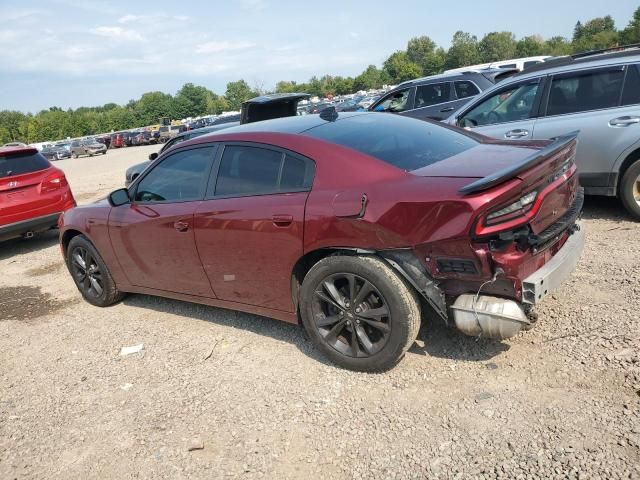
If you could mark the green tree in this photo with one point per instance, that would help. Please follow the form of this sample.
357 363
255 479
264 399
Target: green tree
190 101
463 50
424 52
530 46
237 93
370 78
631 34
597 33
152 106
557 46
497 46
399 68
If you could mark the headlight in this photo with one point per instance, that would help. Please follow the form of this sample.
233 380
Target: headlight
522 204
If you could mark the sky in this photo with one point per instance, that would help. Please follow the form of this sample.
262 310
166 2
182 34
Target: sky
72 53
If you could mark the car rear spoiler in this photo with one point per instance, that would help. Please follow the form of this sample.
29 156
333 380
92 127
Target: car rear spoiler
508 173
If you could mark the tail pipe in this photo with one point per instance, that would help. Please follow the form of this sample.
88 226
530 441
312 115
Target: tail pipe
28 235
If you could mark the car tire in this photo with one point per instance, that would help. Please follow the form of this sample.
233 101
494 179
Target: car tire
630 189
90 273
337 300
74 155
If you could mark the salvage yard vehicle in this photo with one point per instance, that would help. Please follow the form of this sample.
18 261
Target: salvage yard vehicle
344 221
33 193
436 96
597 93
88 147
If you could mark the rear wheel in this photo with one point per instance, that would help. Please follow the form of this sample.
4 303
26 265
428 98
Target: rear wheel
74 155
630 189
359 312
90 273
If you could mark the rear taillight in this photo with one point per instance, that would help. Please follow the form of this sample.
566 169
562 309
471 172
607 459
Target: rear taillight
513 210
54 181
521 211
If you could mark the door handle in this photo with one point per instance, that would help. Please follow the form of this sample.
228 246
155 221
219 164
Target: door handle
282 220
181 226
624 121
448 109
517 133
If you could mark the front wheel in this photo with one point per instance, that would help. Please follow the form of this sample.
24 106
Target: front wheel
74 155
90 273
630 189
359 312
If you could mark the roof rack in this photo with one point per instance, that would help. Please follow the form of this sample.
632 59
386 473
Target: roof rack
604 50
583 57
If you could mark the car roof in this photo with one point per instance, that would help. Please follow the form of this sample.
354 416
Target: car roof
452 76
594 58
294 125
17 149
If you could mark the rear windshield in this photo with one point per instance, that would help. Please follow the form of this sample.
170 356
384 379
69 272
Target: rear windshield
403 142
20 163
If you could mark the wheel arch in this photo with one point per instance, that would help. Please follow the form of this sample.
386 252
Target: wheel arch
309 259
403 262
626 163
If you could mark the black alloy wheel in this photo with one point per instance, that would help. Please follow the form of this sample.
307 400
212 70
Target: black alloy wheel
87 272
351 315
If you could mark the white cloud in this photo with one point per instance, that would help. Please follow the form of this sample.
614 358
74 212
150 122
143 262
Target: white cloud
118 33
354 35
219 47
182 18
128 18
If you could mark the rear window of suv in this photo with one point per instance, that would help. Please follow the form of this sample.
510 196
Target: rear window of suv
19 163
403 142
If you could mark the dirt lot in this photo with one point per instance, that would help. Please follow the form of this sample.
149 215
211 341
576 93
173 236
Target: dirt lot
560 401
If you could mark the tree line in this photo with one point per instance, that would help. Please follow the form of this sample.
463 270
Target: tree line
421 57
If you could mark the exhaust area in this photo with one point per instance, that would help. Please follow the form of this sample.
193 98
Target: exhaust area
28 235
485 316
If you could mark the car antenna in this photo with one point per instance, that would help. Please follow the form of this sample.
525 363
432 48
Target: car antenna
330 114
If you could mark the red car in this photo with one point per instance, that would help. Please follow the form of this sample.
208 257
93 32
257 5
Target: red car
117 140
348 223
33 193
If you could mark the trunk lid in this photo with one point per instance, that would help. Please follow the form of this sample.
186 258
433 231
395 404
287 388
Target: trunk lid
544 167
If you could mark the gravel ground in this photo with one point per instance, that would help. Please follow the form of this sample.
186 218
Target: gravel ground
221 394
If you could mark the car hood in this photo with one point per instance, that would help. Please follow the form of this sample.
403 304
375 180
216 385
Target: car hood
479 161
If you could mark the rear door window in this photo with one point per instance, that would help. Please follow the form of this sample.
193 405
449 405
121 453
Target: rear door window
465 88
432 94
249 170
631 91
584 91
20 163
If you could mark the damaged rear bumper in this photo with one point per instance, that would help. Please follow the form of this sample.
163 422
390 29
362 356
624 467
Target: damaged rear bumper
548 278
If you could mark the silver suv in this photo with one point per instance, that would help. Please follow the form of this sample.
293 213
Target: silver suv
597 93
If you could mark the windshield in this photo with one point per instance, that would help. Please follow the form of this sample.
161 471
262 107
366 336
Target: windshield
20 163
403 142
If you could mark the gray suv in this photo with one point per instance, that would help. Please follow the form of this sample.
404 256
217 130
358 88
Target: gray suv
435 97
89 146
597 93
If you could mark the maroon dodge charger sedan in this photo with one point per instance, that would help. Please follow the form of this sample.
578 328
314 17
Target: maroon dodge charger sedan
354 224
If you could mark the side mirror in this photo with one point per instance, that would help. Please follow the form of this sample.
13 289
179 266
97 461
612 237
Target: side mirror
119 197
153 156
